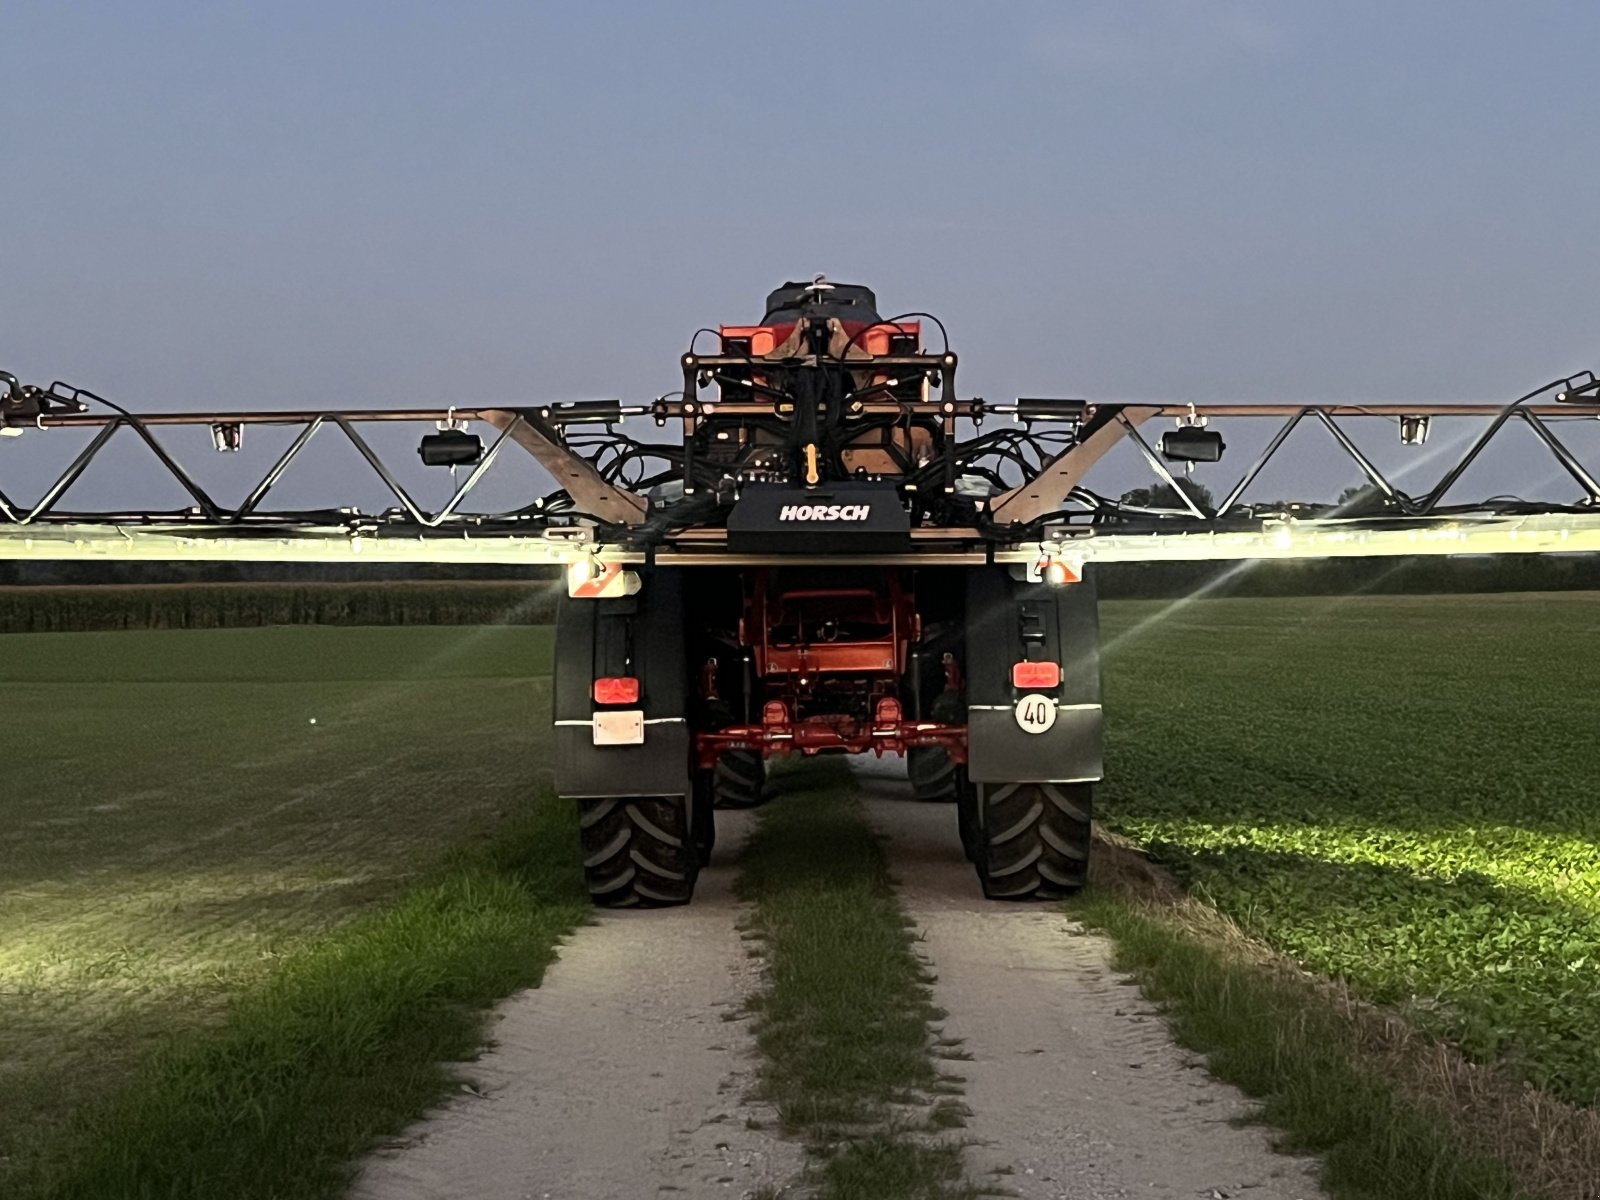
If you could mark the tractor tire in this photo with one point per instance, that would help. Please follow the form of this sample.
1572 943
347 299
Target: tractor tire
968 822
638 850
702 820
1033 839
935 776
739 779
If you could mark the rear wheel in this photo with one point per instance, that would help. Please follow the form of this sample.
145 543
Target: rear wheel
739 779
639 850
967 819
702 821
935 776
1032 839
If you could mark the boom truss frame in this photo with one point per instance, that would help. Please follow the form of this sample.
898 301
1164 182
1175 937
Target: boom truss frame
1049 512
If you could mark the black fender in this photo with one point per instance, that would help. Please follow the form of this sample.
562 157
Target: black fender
1009 620
640 635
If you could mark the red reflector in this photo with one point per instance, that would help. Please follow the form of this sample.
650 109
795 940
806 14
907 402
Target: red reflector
774 712
888 711
616 689
1035 674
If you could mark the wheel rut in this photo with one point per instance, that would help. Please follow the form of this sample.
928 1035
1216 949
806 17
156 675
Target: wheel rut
624 1076
1076 1089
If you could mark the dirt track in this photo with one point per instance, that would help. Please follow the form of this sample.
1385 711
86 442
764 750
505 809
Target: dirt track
624 1075
622 1078
1076 1090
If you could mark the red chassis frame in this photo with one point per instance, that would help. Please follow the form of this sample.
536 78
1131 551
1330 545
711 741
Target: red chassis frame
813 648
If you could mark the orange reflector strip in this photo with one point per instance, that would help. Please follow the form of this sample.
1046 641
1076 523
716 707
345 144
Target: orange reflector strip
590 579
1035 674
1058 571
616 689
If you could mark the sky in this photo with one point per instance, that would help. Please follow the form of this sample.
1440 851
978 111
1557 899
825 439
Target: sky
276 204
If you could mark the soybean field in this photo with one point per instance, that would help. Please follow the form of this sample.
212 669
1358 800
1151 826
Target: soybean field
1400 792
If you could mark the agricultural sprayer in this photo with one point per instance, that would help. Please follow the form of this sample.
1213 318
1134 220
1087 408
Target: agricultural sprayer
820 547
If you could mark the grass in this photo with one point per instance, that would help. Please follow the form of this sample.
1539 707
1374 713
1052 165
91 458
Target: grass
180 835
346 1040
1278 1039
843 1024
1397 792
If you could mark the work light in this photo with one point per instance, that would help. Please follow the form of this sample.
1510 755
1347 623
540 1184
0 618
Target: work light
1191 443
1413 431
451 448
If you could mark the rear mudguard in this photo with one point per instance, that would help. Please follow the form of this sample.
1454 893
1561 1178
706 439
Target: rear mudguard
642 636
1064 626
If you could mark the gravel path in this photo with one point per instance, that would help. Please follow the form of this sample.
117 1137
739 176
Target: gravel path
1076 1090
621 1078
624 1077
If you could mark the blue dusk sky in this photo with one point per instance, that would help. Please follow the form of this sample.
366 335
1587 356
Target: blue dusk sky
259 205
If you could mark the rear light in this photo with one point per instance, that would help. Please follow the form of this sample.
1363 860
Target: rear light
888 711
1036 675
616 689
1057 572
774 712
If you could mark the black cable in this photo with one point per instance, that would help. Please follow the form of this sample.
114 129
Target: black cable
1028 469
894 322
721 348
79 393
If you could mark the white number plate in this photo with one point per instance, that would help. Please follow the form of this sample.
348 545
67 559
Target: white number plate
625 728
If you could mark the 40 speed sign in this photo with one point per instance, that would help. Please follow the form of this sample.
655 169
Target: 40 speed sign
1036 713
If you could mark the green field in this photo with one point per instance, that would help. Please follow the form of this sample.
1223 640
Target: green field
1398 792
175 824
80 609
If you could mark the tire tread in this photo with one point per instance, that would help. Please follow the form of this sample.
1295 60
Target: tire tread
739 779
638 850
1032 839
936 778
